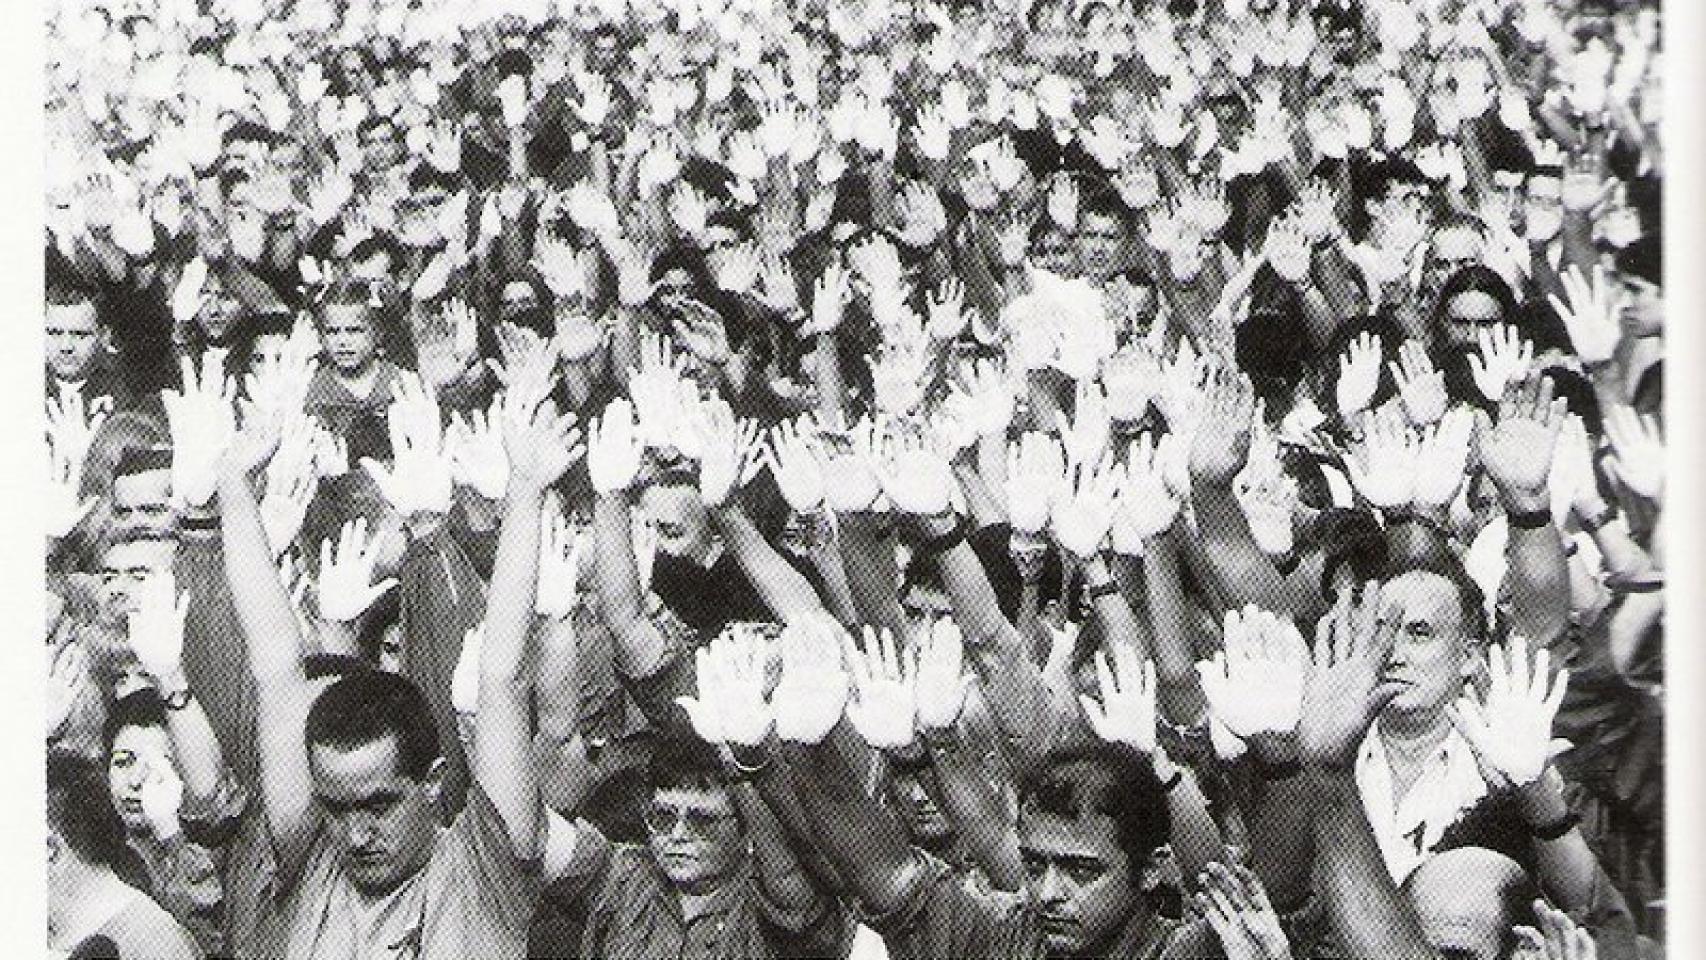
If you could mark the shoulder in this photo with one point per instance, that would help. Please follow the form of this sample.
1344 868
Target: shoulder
145 929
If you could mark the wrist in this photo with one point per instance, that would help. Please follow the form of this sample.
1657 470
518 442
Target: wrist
170 684
1275 749
424 524
1517 502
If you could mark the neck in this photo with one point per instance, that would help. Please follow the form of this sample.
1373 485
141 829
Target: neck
577 381
1414 733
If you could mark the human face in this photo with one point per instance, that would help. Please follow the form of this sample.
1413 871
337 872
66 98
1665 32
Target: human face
1431 655
1078 879
72 339
380 148
137 752
129 566
924 606
1543 214
695 837
218 312
1460 900
382 822
142 502
679 517
348 338
914 793
1052 251
1101 243
1453 249
579 335
267 352
1468 312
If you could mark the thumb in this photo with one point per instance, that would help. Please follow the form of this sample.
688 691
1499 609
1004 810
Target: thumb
382 478
380 589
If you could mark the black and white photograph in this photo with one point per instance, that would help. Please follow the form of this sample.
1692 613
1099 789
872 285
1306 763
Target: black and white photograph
1152 479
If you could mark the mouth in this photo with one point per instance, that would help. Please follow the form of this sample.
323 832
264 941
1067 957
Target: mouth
130 805
1058 927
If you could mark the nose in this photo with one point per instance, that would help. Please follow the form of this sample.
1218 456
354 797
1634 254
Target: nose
1053 886
361 833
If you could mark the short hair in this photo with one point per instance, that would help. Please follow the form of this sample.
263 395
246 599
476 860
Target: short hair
374 122
140 709
366 706
79 813
425 177
1349 536
685 763
318 666
1129 794
368 247
67 295
1442 562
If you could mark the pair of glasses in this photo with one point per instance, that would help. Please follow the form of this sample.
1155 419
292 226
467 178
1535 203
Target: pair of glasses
661 819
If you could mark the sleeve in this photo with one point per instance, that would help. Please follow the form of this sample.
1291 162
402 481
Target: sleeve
190 887
441 597
214 654
942 917
826 930
213 821
507 882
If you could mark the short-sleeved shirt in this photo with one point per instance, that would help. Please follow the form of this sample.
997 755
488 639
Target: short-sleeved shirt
627 909
472 899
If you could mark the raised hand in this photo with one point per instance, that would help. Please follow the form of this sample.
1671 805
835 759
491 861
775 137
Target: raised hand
947 313
1254 683
989 397
941 682
418 480
71 427
63 509
1590 314
156 633
345 588
536 448
292 478
1359 375
162 796
1147 504
915 475
1559 938
796 460
203 423
1640 457
1504 357
613 448
1517 451
1442 458
730 452
1222 439
1510 727
1420 386
1125 712
1085 437
1342 692
829 298
1084 508
1036 473
850 476
1236 906
562 552
1384 469
475 446
884 703
812 693
67 681
1268 498
1130 378
730 706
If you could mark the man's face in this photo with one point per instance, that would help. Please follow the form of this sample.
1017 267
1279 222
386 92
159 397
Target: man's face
679 517
348 339
578 332
381 149
1052 251
1078 879
694 836
1468 312
142 502
1543 213
1460 901
915 794
218 312
1454 248
382 821
129 566
1431 657
1101 246
924 606
137 752
72 339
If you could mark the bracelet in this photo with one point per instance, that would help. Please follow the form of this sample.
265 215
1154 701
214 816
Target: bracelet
744 773
936 546
1276 772
1173 781
1102 590
200 524
1597 522
1532 520
176 700
1621 585
1547 832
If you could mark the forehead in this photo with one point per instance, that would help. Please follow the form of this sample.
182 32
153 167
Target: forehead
1475 305
358 772
146 740
146 487
681 798
1425 597
1545 186
343 315
1055 837
1457 241
71 316
517 290
152 554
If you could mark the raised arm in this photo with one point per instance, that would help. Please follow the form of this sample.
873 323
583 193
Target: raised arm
1517 455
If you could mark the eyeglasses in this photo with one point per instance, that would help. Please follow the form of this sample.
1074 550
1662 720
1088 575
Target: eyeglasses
662 819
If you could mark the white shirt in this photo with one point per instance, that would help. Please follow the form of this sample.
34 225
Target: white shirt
1408 827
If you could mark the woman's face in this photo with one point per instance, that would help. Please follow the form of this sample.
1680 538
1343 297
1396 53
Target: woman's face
1468 312
138 753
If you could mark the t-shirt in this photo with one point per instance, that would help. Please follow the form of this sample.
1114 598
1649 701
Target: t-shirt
472 899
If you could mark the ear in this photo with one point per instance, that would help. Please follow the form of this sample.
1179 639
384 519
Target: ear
433 782
104 337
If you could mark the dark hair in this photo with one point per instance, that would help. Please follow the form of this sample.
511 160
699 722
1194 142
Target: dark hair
318 666
140 709
685 763
1073 784
67 295
425 177
79 813
374 122
366 706
1351 537
378 243
1442 562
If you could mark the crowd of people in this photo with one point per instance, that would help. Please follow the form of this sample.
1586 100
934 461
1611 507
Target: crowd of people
740 478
